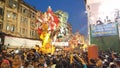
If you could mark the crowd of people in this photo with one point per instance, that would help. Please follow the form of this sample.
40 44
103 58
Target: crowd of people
30 58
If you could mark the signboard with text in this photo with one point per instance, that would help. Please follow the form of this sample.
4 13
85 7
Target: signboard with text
15 42
104 30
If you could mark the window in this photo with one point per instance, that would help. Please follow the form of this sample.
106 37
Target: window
21 19
24 20
11 15
7 27
14 16
32 33
0 26
20 30
32 24
26 32
32 15
13 4
8 14
1 11
12 28
23 30
16 0
24 10
2 2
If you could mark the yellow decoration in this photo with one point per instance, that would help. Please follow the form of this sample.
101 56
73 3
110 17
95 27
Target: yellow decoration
48 50
46 39
71 59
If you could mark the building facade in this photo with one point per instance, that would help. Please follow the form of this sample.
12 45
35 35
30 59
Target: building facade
17 24
103 23
17 19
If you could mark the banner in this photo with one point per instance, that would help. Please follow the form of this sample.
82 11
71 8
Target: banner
92 52
14 42
60 43
104 30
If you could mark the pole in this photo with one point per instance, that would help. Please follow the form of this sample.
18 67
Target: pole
88 16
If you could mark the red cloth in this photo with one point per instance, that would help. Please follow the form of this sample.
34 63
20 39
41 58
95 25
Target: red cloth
56 20
92 52
39 31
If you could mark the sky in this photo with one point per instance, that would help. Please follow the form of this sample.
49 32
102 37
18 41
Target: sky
75 9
